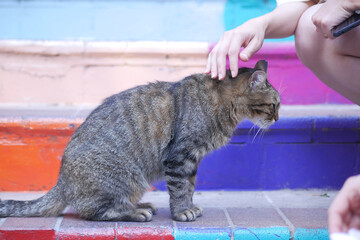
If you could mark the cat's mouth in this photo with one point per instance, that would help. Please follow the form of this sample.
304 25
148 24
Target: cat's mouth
263 123
266 123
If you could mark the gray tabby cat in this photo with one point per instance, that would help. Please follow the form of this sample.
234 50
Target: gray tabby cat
159 130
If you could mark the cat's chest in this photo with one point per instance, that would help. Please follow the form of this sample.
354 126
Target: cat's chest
216 141
219 140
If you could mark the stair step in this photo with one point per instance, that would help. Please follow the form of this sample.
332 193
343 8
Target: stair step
318 150
283 214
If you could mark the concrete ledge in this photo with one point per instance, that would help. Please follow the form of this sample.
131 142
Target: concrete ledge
60 111
86 72
91 48
227 215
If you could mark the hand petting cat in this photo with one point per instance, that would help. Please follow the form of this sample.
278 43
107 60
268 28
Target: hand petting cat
250 36
279 23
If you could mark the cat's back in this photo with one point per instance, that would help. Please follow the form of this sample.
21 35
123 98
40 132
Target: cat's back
128 119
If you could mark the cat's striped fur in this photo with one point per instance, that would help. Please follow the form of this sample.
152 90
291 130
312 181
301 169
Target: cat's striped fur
159 130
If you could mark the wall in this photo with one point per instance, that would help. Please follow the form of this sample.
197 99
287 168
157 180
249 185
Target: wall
119 20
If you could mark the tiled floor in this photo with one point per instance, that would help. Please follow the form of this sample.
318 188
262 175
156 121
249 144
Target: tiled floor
281 214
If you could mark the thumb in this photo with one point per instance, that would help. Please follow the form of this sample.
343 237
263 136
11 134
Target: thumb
253 46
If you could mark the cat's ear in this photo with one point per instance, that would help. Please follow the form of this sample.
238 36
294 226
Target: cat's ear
261 65
257 79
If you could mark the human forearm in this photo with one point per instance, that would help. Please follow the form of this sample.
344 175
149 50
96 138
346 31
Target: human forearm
282 21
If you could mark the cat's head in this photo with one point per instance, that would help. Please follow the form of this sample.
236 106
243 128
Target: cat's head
260 100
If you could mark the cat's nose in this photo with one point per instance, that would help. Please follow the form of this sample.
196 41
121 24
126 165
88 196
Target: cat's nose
276 117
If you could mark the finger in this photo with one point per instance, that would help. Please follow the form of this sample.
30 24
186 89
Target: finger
355 222
323 22
253 46
320 26
335 222
213 66
222 53
208 63
234 51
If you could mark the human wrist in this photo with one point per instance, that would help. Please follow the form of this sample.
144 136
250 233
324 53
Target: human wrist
269 30
261 23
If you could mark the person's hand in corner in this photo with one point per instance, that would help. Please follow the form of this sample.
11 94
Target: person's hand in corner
344 212
332 13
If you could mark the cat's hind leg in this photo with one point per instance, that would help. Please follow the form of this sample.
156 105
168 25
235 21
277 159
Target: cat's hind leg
134 215
147 205
113 209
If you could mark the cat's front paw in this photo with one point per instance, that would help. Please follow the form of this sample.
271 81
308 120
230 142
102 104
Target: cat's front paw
188 215
198 210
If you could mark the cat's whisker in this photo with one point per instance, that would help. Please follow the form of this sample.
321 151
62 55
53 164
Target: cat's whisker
263 133
280 86
281 91
252 128
256 135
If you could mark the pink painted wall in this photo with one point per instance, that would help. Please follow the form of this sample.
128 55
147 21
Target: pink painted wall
84 73
296 83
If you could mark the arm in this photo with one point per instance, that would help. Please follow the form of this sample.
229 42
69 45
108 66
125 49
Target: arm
279 23
282 21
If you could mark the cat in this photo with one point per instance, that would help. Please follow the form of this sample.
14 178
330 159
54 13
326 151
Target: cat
159 130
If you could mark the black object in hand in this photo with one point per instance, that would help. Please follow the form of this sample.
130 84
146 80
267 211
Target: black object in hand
347 25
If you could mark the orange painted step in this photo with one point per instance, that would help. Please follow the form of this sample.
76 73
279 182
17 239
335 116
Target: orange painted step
31 151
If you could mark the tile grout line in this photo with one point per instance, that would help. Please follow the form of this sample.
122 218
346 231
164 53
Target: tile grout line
116 230
282 215
59 221
58 225
232 225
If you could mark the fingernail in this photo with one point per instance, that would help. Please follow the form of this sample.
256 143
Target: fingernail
244 56
213 75
233 73
220 76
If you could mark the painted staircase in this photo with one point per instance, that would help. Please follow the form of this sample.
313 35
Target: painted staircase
256 187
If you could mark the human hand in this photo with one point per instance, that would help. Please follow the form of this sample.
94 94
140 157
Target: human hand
250 35
331 14
344 212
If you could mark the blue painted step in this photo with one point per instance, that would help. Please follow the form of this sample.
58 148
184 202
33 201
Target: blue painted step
301 152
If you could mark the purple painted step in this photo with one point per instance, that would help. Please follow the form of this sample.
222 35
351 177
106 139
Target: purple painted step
296 83
305 152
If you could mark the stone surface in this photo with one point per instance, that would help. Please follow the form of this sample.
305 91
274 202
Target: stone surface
307 217
28 228
255 217
309 223
316 198
227 215
74 228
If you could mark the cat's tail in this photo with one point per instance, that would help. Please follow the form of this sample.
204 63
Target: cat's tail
51 204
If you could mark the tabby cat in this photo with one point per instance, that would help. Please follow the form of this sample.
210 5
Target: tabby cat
154 131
